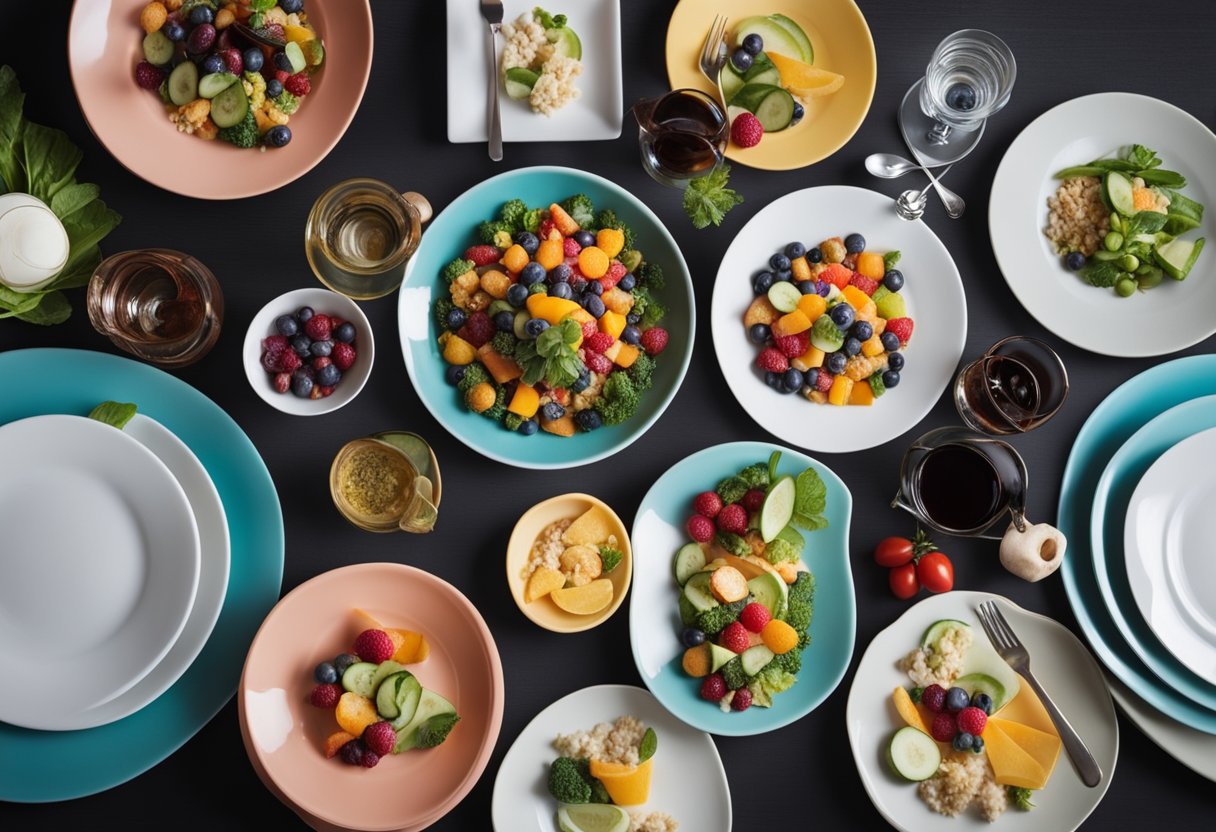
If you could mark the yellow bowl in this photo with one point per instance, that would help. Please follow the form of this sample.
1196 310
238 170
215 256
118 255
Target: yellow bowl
842 44
543 611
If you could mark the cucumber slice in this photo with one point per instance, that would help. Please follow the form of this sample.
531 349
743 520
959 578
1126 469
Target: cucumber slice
521 319
825 335
592 817
519 82
784 296
183 83
1177 256
938 629
983 683
688 561
696 590
776 111
228 109
358 678
795 31
768 589
497 306
158 49
314 52
296 55
754 659
407 696
761 63
383 671
209 86
767 75
398 694
778 508
565 42
913 754
718 656
730 80
1119 192
429 704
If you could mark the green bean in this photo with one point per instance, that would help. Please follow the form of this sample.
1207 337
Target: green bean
1126 287
1102 255
1163 178
1113 241
1129 262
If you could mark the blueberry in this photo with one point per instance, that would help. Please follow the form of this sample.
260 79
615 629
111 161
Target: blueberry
842 315
963 741
345 333
535 326
552 411
752 44
977 745
854 244
890 379
823 288
174 31
594 305
561 290
785 275
835 363
851 346
329 375
252 59
810 377
758 333
533 272
301 384
212 63
797 115
863 331
631 334
201 14
291 6
353 752
326 674
632 318
286 325
814 255
808 287
795 250
322 349
528 242
302 344
561 273
588 419
453 374
594 287
457 319
961 97
278 136
982 701
762 282
504 321
274 88
890 341
347 659
793 380
1075 260
691 637
528 427
742 59
581 383
893 280
584 238
895 360
626 283
773 380
281 61
779 261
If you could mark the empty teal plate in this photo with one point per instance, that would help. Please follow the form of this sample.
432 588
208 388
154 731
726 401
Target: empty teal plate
453 231
654 619
1112 423
42 766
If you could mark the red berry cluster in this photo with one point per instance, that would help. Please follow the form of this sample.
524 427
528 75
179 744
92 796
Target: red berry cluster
712 516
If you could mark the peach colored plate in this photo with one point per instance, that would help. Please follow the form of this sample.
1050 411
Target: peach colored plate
104 45
285 734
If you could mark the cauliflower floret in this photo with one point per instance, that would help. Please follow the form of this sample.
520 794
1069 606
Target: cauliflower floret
190 117
555 88
255 89
526 43
588 396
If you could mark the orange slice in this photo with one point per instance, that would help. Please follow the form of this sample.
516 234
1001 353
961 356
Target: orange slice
804 80
584 600
626 785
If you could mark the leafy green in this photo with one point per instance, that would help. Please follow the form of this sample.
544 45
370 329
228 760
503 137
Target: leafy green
647 308
810 499
707 199
435 730
512 215
731 489
890 259
1101 273
262 5
648 745
1142 157
755 475
549 21
619 399
610 558
733 543
580 209
1020 797
877 387
773 679
242 134
1144 222
650 275
114 414
551 356
916 693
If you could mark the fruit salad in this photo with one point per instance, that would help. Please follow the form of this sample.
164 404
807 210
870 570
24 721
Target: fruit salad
309 352
381 707
745 593
541 60
830 321
550 321
569 561
233 70
975 735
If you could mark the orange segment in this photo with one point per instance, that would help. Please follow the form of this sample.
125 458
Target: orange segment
870 264
354 713
411 647
791 323
804 80
812 306
626 785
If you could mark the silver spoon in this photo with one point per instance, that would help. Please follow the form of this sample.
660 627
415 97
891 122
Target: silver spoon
891 166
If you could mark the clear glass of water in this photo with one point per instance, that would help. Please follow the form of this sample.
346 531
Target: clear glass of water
969 79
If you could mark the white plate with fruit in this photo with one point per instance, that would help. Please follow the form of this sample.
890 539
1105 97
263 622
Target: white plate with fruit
980 743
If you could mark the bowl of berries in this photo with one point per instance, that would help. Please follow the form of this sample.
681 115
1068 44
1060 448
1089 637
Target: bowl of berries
308 352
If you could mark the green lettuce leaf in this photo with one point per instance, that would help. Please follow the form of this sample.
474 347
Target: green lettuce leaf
810 500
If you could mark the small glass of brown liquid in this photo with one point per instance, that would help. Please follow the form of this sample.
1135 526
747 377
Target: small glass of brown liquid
160 305
682 135
1014 387
387 482
361 233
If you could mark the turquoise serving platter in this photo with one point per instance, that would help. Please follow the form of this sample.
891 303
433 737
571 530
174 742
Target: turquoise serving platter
42 766
1112 423
654 620
1114 493
447 237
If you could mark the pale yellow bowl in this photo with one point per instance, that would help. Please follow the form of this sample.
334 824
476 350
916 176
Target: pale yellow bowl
543 611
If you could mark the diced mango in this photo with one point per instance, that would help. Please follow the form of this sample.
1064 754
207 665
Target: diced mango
800 268
791 324
861 394
618 300
842 388
813 357
812 306
409 647
549 308
564 222
859 367
354 713
495 284
559 427
626 355
298 34
593 526
613 350
525 401
458 351
613 323
514 258
550 254
543 581
610 241
500 367
870 264
872 346
593 263
855 297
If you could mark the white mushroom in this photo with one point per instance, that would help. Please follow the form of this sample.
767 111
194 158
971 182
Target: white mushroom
1035 553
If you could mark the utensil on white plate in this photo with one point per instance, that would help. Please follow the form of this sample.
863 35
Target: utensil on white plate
491 12
713 55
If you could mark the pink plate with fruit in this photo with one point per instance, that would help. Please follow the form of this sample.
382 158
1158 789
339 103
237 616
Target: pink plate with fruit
106 44
293 724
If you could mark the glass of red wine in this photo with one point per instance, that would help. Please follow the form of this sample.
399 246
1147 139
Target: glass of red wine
1014 387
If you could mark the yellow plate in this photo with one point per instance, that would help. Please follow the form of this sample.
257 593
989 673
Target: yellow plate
842 44
543 611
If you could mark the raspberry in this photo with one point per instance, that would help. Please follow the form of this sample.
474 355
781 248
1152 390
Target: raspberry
944 727
792 346
353 752
280 360
318 328
902 327
370 759
483 255
281 75
570 247
972 720
289 361
654 340
148 76
733 519
700 529
713 688
746 131
772 360
754 616
298 84
734 637
934 698
232 60
275 343
742 700
616 270
864 283
546 226
326 391
374 646
598 342
380 738
321 362
477 330
597 363
282 382
823 381
707 504
343 356
589 329
325 696
753 500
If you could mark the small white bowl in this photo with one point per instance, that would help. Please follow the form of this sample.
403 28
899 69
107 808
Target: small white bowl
322 301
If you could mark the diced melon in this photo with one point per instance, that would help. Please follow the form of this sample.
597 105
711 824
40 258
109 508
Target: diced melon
855 297
550 253
861 394
791 323
870 264
613 323
872 346
813 357
613 350
812 306
626 355
842 388
1042 747
500 367
551 309
618 300
525 401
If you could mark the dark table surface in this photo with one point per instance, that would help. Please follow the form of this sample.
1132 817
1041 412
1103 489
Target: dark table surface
1064 50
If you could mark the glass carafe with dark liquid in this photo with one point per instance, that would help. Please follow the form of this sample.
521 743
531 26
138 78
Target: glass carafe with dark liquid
1014 387
682 135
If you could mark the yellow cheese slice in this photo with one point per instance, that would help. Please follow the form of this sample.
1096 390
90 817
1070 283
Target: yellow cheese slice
1026 708
1043 747
1012 765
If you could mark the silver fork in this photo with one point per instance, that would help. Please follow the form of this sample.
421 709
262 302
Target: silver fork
713 56
491 11
1011 649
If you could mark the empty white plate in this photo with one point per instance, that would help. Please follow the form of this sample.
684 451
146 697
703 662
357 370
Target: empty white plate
1168 545
99 568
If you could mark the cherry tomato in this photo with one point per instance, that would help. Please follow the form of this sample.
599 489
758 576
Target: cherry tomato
935 572
893 551
904 583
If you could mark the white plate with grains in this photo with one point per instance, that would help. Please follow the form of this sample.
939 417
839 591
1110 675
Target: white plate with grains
609 721
1063 666
1170 317
567 75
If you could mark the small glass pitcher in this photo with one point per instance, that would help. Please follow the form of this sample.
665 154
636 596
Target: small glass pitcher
682 134
387 482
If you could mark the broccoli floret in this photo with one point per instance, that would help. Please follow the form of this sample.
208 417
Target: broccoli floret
915 694
731 490
512 215
1020 797
242 134
618 399
715 619
756 476
503 343
642 371
778 550
435 730
733 543
512 421
457 268
688 613
611 558
487 231
570 781
648 310
733 675
799 607
286 102
498 410
788 662
532 220
607 218
580 209
650 275
803 587
442 307
474 374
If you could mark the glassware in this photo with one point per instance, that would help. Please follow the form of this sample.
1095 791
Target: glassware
360 234
158 304
682 136
387 482
1014 387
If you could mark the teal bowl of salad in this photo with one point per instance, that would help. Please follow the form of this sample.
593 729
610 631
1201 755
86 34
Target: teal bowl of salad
546 337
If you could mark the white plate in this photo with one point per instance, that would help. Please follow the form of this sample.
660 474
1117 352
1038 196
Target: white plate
1061 663
212 581
1168 553
1194 749
597 112
933 295
100 570
1074 133
688 781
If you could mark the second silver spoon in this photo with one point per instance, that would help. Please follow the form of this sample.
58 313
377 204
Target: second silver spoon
891 166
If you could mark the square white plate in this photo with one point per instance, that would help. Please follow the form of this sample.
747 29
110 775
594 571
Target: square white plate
597 112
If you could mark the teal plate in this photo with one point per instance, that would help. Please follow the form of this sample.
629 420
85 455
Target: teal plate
42 766
654 620
1112 423
1114 493
450 233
